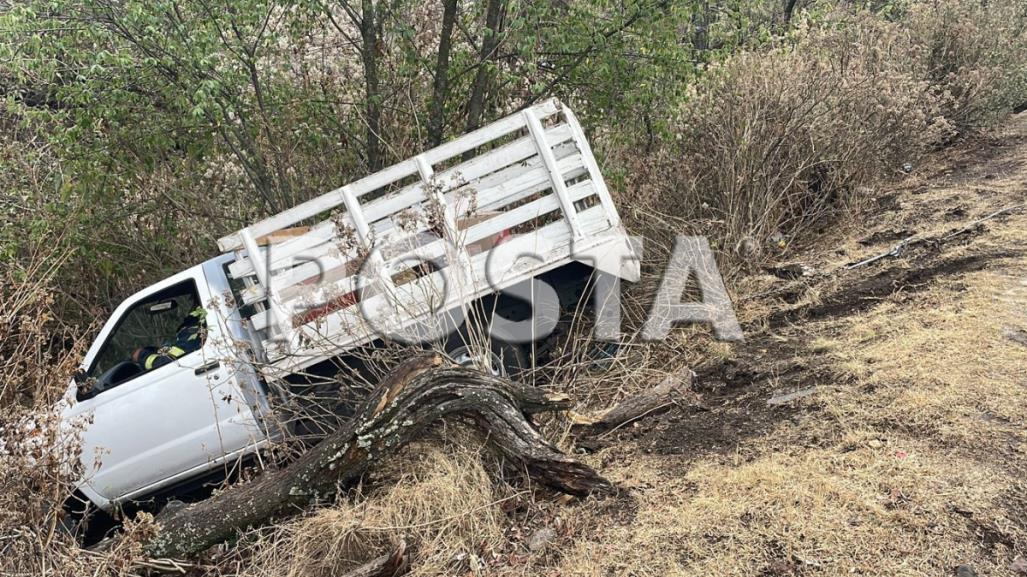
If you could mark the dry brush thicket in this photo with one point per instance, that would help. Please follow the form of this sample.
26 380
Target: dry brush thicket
775 146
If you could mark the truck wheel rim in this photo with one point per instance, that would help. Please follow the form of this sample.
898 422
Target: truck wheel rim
463 357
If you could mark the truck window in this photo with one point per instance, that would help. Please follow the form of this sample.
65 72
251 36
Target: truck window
237 286
168 322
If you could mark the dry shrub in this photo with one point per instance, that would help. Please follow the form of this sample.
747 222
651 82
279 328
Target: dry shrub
39 351
34 482
776 145
780 142
442 502
974 54
32 344
39 459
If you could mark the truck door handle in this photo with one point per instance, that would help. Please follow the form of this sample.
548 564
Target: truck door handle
207 367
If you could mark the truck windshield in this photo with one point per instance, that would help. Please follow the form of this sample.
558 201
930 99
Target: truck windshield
156 323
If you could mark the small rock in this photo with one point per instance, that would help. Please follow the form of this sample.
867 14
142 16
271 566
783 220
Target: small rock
1018 336
957 212
1019 566
785 398
586 445
875 444
540 538
965 571
790 271
173 506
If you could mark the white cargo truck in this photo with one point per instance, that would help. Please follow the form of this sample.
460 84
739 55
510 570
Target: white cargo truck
182 379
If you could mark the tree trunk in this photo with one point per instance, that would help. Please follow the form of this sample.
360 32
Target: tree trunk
789 8
437 115
369 56
489 45
701 36
417 394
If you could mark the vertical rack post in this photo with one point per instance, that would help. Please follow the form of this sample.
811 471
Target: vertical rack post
282 320
460 259
356 216
538 134
593 167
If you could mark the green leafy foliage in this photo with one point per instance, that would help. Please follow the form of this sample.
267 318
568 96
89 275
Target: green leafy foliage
138 131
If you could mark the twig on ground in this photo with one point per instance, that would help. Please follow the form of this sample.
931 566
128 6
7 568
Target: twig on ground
646 403
900 248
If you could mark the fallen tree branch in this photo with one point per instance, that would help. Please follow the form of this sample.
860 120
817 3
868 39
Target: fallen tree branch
391 565
670 391
416 395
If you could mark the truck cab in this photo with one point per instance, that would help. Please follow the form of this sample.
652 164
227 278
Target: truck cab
153 428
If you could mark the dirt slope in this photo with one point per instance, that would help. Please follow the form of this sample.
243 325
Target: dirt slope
904 454
908 458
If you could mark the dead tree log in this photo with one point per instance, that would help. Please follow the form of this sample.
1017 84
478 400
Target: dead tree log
417 394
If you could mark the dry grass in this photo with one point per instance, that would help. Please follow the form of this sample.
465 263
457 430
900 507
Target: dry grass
441 501
892 469
969 378
909 460
862 510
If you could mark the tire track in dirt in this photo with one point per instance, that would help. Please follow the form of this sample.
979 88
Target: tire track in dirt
735 389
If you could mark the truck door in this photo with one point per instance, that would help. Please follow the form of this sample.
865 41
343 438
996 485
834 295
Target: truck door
163 406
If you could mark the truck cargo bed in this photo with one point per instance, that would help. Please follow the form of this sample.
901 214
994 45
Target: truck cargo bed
421 236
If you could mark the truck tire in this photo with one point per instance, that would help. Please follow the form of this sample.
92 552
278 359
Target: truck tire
505 359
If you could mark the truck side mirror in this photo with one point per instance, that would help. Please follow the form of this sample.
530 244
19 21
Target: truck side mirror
83 384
